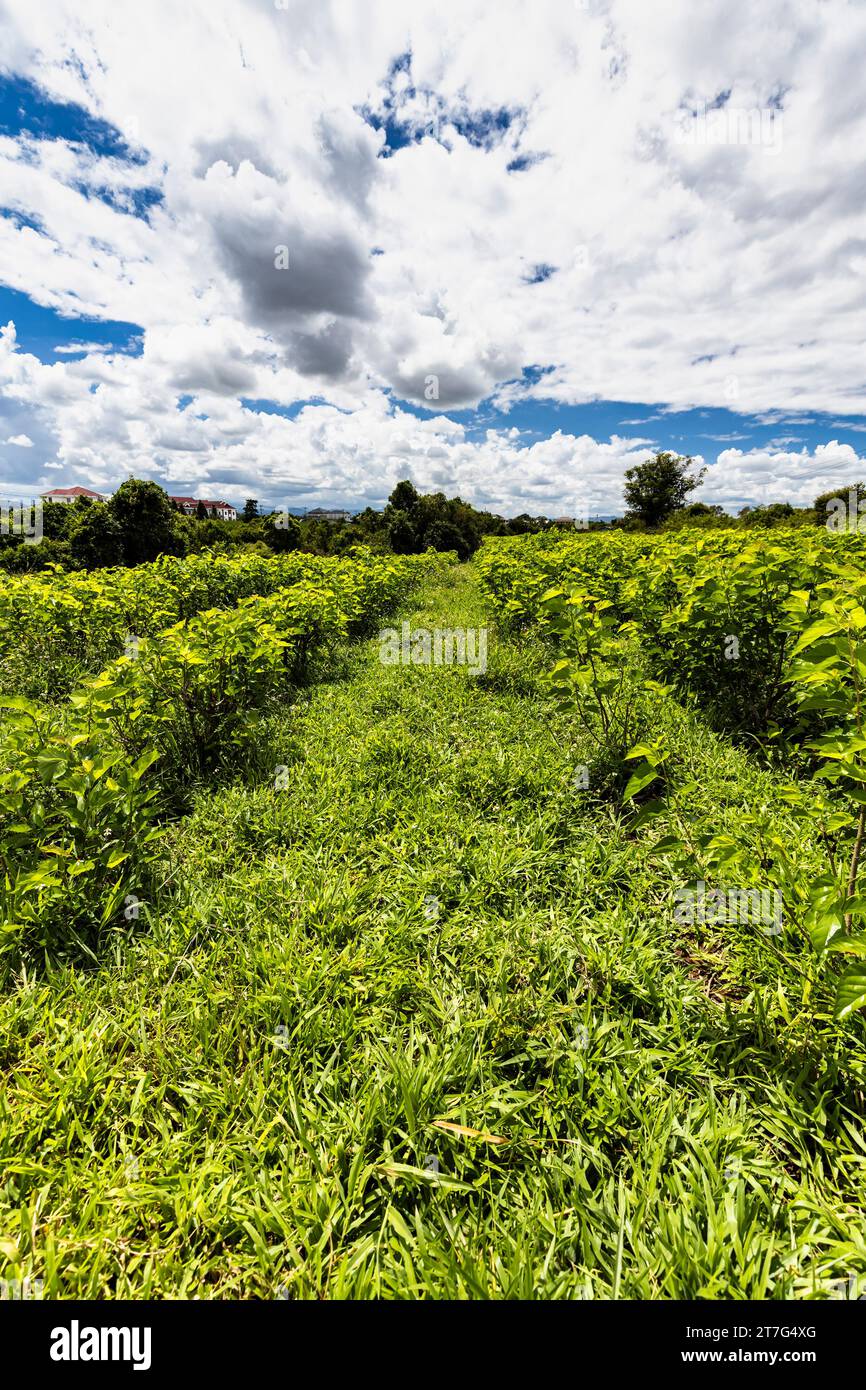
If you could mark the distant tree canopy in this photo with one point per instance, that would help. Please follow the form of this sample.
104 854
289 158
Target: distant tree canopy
146 522
702 509
140 522
415 522
524 524
404 498
282 531
657 488
823 504
774 514
95 537
707 515
55 520
134 526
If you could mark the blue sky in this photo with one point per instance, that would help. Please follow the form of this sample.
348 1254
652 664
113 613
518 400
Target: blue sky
41 330
27 107
705 431
513 268
699 431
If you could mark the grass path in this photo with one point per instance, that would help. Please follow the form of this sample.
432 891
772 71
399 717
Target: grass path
427 923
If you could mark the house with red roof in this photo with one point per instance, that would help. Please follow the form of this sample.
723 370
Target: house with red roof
189 506
66 495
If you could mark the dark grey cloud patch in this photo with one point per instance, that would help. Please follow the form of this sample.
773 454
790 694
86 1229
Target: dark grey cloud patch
180 443
290 276
326 353
441 387
350 156
326 272
218 374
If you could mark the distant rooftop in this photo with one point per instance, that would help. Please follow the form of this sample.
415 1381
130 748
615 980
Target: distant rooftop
72 492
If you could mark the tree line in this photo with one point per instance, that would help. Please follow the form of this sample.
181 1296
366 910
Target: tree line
140 522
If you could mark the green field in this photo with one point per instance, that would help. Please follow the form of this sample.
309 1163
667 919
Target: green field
413 1018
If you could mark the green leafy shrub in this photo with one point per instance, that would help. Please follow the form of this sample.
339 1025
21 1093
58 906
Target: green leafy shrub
592 679
81 786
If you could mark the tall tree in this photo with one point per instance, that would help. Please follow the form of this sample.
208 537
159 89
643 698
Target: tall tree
282 531
404 498
841 507
402 535
251 509
659 486
145 520
95 540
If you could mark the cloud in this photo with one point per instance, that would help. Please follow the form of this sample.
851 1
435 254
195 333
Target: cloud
759 476
136 420
472 149
292 269
22 441
70 349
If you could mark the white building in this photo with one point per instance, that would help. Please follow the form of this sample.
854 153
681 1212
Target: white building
66 495
327 514
224 510
190 505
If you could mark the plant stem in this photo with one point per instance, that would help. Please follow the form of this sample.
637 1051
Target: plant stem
855 861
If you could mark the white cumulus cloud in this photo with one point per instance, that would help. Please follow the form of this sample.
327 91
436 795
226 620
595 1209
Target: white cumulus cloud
551 195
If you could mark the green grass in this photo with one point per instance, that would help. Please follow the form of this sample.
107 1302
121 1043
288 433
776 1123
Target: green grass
239 1099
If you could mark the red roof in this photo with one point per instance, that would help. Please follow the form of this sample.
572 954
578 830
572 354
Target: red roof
194 502
71 492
